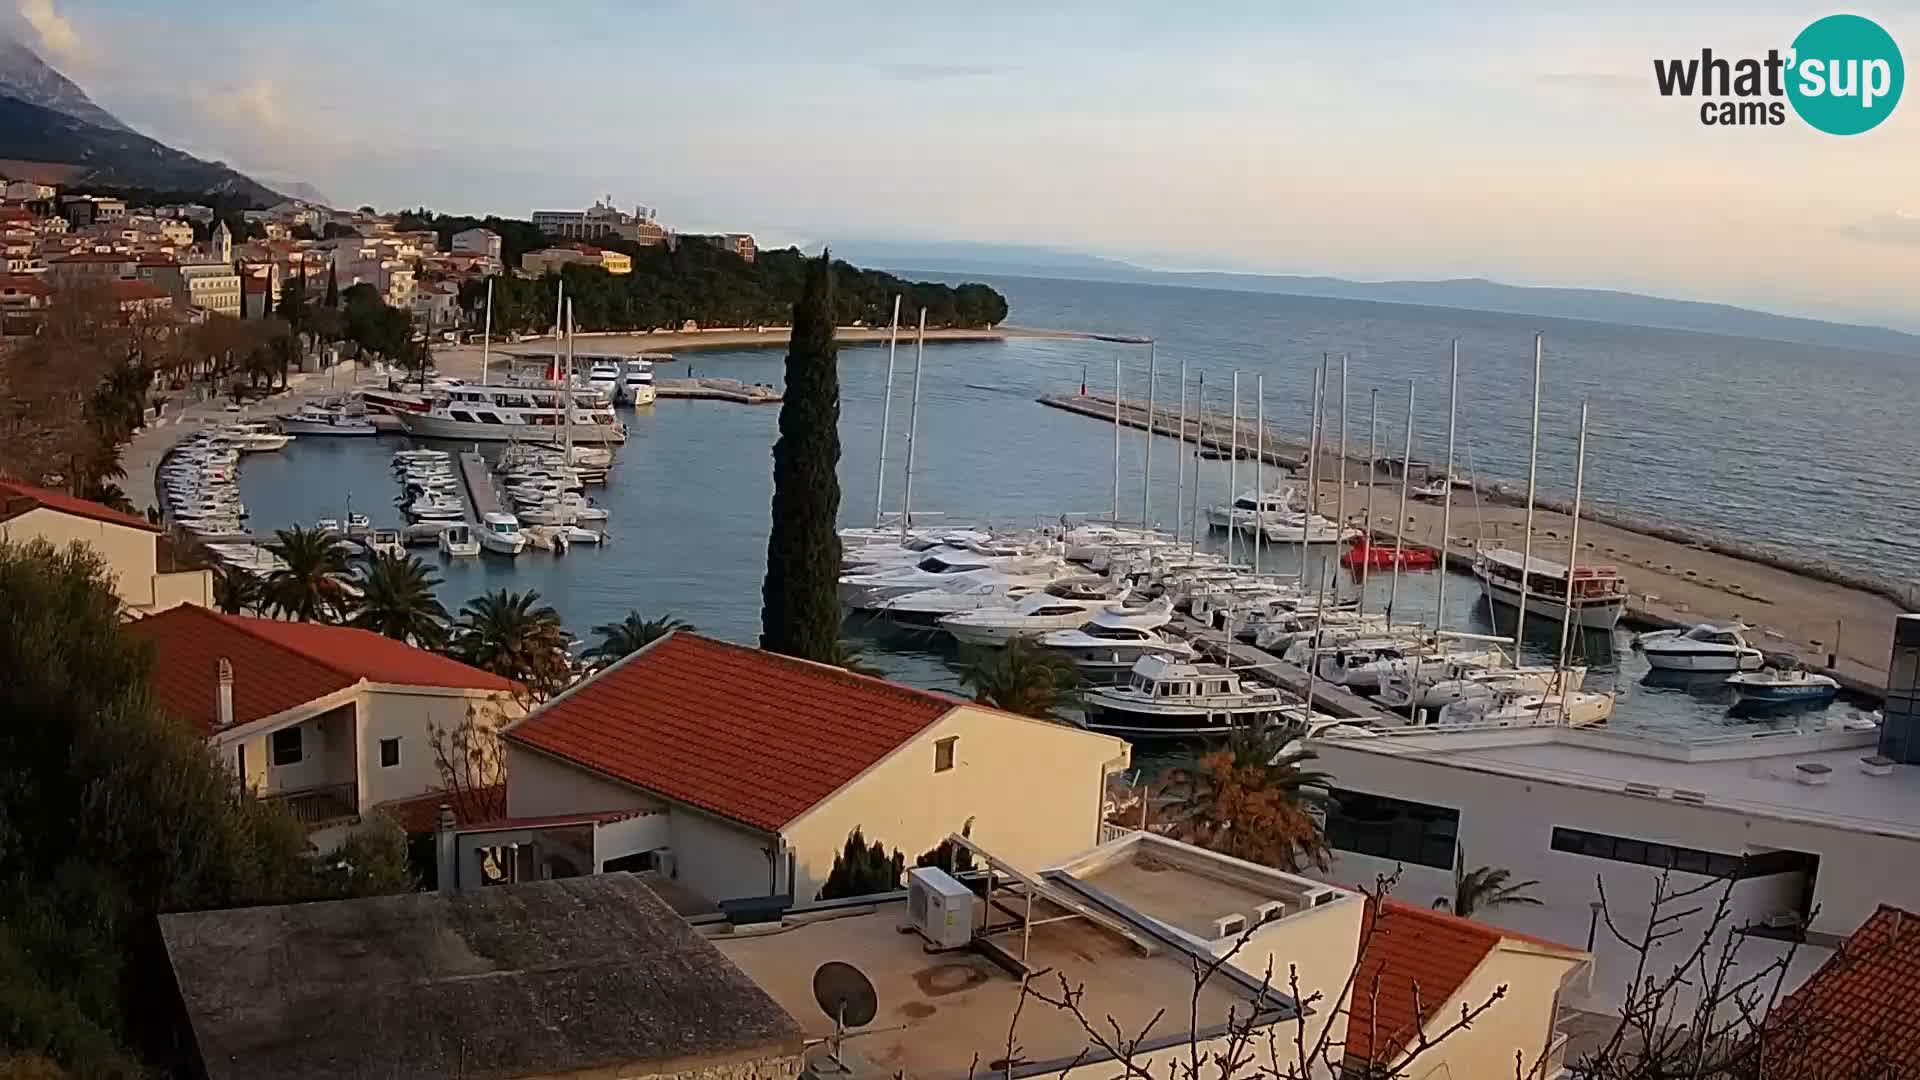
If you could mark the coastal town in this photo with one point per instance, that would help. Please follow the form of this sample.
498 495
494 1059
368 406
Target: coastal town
575 646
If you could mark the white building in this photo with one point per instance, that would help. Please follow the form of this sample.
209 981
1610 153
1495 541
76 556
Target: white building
477 242
332 720
600 220
436 304
755 767
1807 826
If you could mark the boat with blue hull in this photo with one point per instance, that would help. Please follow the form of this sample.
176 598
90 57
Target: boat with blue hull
1759 691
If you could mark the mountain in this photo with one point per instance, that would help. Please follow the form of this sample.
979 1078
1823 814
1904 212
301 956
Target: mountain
1476 294
111 157
26 77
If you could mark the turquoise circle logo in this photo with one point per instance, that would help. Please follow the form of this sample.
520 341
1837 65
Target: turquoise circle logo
1847 75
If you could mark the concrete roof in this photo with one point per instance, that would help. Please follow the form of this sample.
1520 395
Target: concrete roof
547 978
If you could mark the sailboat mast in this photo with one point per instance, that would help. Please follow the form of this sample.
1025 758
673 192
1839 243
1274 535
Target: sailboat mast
1340 499
1313 472
1200 407
913 424
1180 459
486 335
1446 500
1573 556
1259 468
1400 522
1533 474
1116 438
1233 471
1146 469
559 319
1373 470
886 414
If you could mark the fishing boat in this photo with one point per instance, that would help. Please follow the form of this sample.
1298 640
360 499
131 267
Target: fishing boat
508 411
1165 697
1702 648
1599 593
1772 688
1110 643
457 542
500 534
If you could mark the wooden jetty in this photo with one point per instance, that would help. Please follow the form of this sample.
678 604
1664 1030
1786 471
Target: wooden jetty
707 389
480 490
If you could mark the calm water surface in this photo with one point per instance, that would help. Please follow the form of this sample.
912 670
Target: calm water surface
1797 447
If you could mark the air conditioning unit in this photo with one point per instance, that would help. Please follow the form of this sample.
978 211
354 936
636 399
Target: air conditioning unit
939 908
1782 920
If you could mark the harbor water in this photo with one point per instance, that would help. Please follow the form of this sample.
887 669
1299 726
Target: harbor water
1779 444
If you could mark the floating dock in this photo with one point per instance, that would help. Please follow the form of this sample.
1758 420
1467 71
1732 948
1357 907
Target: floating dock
733 390
481 494
1212 431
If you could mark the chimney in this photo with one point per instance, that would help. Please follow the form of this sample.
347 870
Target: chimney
223 700
445 857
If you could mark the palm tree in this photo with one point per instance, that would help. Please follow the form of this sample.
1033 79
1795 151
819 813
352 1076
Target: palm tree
313 587
630 635
516 636
1250 798
397 601
236 592
1024 679
1486 887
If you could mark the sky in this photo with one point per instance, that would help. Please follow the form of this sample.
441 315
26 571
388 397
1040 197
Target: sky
1523 142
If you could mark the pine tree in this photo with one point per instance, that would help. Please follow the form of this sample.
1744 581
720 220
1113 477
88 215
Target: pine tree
293 302
800 602
333 287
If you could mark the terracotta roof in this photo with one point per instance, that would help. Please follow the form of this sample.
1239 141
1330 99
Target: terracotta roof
127 290
745 734
1415 946
1855 1016
24 283
95 257
17 498
280 665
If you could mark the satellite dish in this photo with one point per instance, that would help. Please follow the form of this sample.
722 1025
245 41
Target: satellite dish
845 994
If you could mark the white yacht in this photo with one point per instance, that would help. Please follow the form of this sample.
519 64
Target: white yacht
1165 698
1111 642
1250 507
1521 707
385 542
1307 529
636 382
1438 681
968 592
316 418
1599 592
1358 664
250 437
1703 648
1066 606
456 541
507 411
500 534
936 569
603 377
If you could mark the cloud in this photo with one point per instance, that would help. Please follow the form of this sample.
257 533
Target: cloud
253 105
55 33
1899 227
929 72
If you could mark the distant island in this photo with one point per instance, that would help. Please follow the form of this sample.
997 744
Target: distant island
1476 294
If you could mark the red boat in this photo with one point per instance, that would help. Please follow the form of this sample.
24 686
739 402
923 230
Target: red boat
1360 553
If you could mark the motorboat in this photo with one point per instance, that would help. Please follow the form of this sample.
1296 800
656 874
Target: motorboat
1701 648
1520 707
934 569
251 438
385 542
1168 697
1307 529
603 376
636 383
1359 664
968 592
509 411
1249 508
1110 643
1771 688
1433 490
1277 632
1438 681
456 541
1066 606
357 524
500 534
578 535
1599 592
327 419
328 525
432 507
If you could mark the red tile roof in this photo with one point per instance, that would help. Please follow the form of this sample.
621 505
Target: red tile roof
1855 1016
127 291
17 498
281 665
749 735
1415 947
25 284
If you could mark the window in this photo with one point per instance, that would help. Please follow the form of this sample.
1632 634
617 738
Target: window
286 748
1390 828
389 753
943 753
1661 856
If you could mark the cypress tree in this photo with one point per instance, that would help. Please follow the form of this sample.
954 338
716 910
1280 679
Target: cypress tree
800 602
293 301
333 287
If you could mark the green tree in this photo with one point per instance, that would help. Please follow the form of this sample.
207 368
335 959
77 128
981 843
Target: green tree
1024 678
237 592
630 635
517 637
800 601
312 587
110 813
1251 799
397 601
1486 887
293 302
859 870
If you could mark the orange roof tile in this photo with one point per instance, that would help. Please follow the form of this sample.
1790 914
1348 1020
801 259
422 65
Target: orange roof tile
752 736
280 665
17 498
1855 1016
126 289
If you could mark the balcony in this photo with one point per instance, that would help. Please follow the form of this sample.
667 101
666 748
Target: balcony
318 807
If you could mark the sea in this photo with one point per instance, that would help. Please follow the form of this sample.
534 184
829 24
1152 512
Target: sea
1801 449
